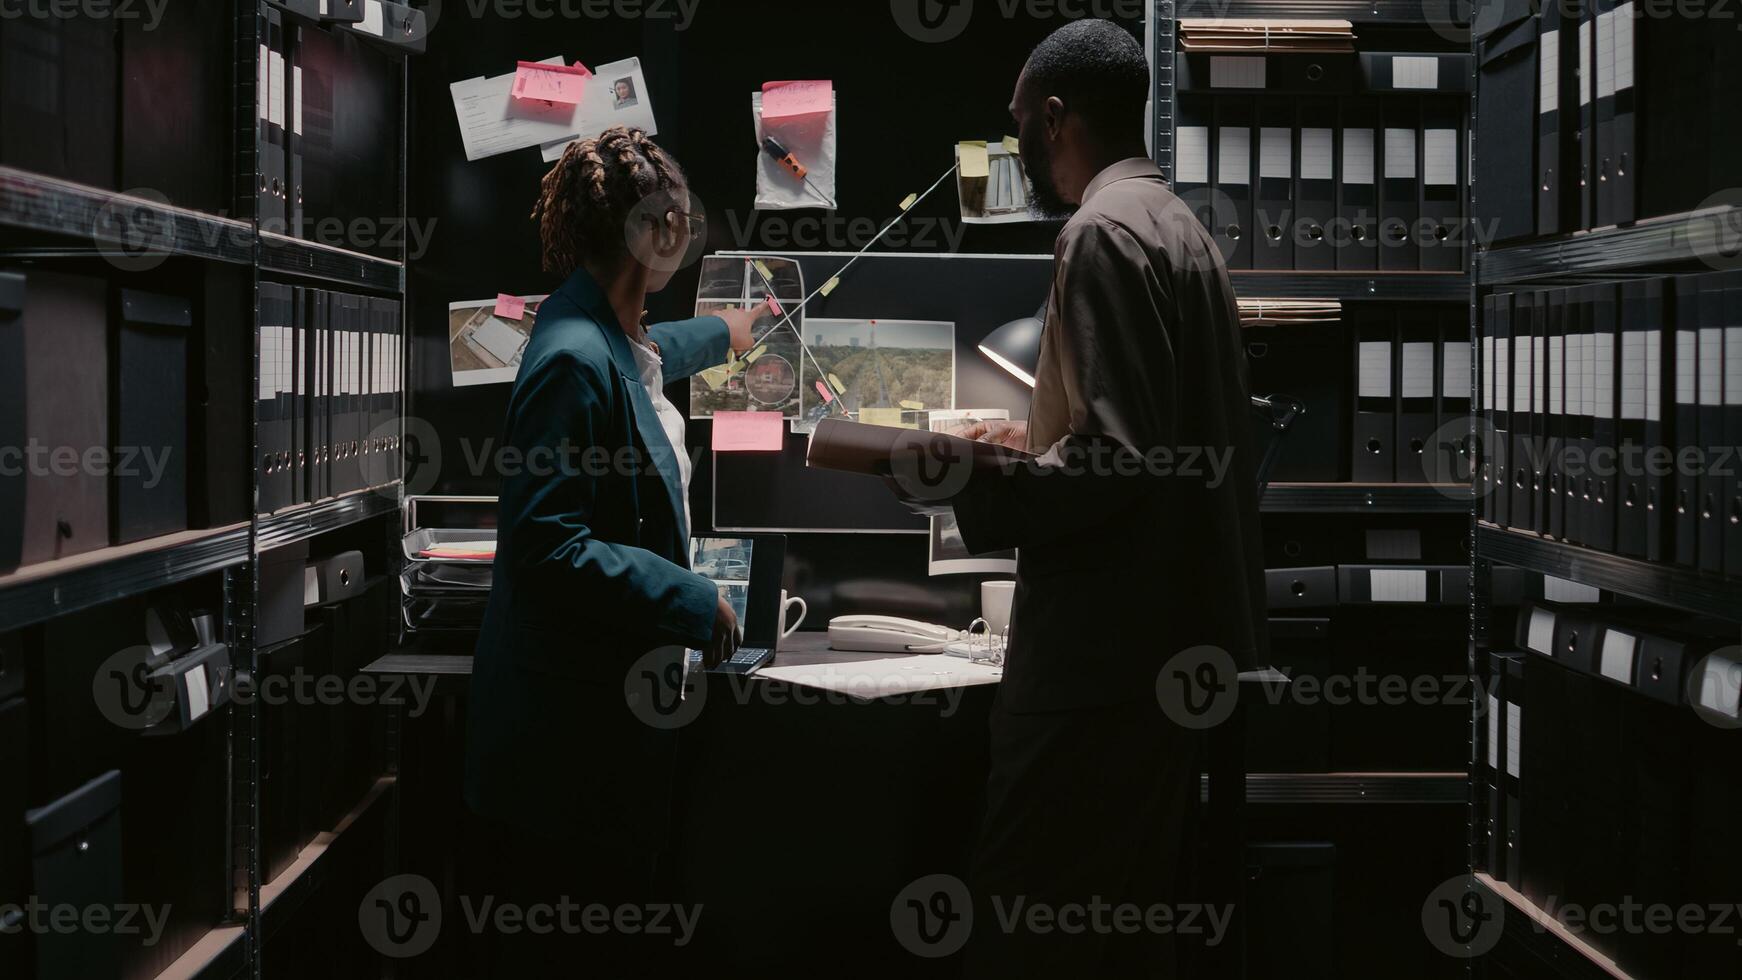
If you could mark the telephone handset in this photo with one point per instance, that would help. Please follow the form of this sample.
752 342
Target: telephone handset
890 634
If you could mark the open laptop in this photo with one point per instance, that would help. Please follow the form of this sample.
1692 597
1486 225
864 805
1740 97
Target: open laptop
747 570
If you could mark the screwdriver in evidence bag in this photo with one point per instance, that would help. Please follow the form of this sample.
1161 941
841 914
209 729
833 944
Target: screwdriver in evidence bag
789 163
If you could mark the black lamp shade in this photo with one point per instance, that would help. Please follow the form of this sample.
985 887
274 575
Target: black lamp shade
1015 347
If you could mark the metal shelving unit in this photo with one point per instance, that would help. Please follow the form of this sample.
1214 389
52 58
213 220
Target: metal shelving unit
38 592
311 520
1538 946
1432 788
1366 498
1438 287
333 266
1442 13
121 226
1654 241
1655 582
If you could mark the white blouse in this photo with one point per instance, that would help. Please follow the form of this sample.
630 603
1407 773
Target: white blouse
670 419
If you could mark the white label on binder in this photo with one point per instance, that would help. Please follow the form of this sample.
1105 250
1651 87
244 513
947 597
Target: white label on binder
1548 76
1488 373
1557 389
199 694
1192 155
1399 153
1375 369
1624 47
1540 636
1584 62
1654 375
1514 735
1315 154
1687 346
1415 72
1575 401
1588 372
1231 72
1603 374
1711 367
1633 374
296 99
275 90
268 351
262 71
1275 152
1418 370
374 19
1733 365
1493 732
1719 691
1606 54
1540 389
1439 156
1502 374
1455 369
1561 590
1357 156
1521 375
1398 584
1617 658
1233 155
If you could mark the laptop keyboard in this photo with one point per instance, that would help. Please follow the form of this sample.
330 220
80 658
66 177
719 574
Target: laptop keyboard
745 659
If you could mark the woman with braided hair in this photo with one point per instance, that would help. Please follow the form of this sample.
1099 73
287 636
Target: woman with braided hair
591 574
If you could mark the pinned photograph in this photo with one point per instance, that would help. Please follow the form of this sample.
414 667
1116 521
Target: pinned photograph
766 377
623 94
484 348
888 372
950 556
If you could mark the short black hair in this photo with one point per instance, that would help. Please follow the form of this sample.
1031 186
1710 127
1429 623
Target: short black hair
1098 69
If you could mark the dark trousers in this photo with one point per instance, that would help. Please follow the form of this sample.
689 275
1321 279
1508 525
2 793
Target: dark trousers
1087 813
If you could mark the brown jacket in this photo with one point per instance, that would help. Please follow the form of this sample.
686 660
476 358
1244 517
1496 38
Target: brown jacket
1139 528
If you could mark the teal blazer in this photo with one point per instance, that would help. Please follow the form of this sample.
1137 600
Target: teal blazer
591 572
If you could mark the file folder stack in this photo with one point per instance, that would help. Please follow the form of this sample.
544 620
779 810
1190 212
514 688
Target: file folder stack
1630 714
1412 395
1613 409
331 395
1265 36
1323 161
1295 312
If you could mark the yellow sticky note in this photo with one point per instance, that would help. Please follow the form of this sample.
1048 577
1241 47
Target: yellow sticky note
971 154
762 269
912 405
714 377
751 357
1011 145
840 389
908 201
881 416
829 287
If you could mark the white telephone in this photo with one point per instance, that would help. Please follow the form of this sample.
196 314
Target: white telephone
891 634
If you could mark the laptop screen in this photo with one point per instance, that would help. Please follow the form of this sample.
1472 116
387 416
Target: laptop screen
747 570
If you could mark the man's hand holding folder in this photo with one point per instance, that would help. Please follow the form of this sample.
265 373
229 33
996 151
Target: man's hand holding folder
923 469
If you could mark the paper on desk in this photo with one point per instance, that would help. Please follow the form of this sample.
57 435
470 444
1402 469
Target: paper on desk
888 677
492 121
616 95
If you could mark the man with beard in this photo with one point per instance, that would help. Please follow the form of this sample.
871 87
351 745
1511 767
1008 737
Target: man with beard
1138 530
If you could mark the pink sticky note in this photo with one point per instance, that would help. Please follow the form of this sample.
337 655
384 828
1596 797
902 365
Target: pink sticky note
549 83
823 390
774 306
780 99
510 307
748 432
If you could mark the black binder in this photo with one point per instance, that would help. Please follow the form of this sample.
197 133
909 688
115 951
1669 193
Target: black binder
1730 503
1418 345
1273 216
1442 233
1587 110
1556 102
1400 185
1453 456
1296 73
294 193
1601 515
1554 414
57 106
324 11
1373 443
176 114
348 474
66 343
1714 307
12 422
1414 71
298 406
1502 452
270 103
1487 444
1581 442
1646 473
1622 176
1528 399
1234 156
1603 97
1356 236
1506 55
1316 184
222 418
1512 730
75 845
148 425
274 397
1685 423
1632 339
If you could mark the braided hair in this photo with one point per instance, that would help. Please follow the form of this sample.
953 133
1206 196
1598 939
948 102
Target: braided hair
587 198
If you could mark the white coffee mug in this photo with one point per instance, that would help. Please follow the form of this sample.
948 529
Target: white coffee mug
788 628
995 598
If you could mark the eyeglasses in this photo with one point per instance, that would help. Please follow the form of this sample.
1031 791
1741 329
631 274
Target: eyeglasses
698 222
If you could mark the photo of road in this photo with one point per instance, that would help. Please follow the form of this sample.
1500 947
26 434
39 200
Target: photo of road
894 364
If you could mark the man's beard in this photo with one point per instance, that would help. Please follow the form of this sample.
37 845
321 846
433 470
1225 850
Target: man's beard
1044 201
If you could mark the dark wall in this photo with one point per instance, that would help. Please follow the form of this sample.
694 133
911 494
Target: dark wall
902 105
